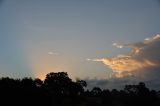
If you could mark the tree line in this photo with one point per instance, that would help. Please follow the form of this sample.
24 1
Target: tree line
57 89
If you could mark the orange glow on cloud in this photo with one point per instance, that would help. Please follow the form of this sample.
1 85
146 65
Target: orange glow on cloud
122 65
141 56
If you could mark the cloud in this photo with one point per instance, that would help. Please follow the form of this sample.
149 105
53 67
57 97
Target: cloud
119 83
142 61
52 53
140 64
114 83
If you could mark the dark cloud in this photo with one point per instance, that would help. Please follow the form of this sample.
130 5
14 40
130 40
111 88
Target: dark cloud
96 83
119 83
114 83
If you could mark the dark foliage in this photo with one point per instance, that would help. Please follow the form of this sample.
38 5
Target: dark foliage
59 90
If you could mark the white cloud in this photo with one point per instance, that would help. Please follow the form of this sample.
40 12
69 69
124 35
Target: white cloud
52 53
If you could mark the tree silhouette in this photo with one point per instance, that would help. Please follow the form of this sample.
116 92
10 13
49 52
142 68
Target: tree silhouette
38 82
59 90
57 83
96 91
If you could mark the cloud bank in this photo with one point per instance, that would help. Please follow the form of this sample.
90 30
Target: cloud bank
142 63
143 56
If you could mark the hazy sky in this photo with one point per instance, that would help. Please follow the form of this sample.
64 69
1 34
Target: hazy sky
40 36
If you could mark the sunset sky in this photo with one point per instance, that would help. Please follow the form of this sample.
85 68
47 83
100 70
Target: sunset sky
88 39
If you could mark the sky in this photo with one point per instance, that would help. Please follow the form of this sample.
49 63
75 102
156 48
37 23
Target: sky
81 37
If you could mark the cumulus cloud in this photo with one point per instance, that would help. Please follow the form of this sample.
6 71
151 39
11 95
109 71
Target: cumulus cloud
143 60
